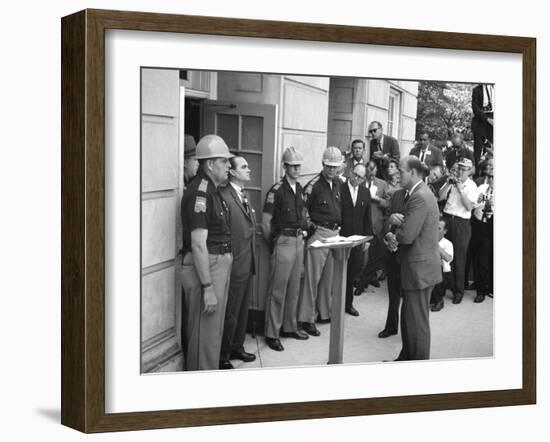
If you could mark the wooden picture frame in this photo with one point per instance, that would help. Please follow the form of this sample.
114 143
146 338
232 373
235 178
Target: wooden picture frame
83 220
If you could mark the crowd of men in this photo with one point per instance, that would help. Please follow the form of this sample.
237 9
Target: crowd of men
431 225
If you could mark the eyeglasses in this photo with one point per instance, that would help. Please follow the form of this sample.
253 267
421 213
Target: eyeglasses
359 177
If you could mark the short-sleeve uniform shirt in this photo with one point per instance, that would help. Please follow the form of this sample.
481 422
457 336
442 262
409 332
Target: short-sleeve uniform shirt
323 201
286 207
202 207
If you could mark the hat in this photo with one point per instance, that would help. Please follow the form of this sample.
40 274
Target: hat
332 156
189 146
465 162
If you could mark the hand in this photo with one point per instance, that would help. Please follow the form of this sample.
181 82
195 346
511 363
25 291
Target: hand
304 233
377 154
366 246
210 300
459 187
396 219
391 241
490 121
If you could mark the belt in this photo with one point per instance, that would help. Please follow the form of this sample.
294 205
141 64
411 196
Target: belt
331 226
291 232
448 215
220 249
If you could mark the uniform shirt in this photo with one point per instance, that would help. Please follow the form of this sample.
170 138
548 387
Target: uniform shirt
286 206
485 207
202 207
447 246
454 204
323 201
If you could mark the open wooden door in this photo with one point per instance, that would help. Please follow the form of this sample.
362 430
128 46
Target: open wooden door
249 130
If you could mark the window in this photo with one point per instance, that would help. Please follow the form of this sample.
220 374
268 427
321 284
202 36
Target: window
394 107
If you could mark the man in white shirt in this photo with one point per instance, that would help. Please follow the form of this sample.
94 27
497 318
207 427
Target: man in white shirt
446 254
459 196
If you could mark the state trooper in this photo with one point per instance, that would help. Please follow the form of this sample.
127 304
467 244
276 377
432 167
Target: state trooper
284 221
207 254
323 202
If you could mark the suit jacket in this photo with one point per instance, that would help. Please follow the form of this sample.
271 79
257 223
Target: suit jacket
433 155
479 121
243 230
356 220
390 146
378 208
418 241
396 206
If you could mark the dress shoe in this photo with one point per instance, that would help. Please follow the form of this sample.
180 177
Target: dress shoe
457 299
479 298
274 344
351 311
375 283
358 291
242 356
323 321
490 295
226 365
310 329
385 333
438 306
298 334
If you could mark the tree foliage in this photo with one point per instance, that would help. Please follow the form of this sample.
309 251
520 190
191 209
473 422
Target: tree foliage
443 109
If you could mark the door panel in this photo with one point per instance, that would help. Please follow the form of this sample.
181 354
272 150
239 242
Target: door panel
249 130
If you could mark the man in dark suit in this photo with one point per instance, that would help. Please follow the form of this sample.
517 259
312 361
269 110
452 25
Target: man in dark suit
482 122
382 148
417 236
457 151
356 156
243 227
427 153
356 220
393 268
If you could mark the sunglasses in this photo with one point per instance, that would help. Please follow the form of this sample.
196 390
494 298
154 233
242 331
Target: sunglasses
372 131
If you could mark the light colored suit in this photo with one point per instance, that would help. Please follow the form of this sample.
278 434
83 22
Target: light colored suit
420 270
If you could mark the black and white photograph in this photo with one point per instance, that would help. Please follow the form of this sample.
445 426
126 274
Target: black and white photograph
295 221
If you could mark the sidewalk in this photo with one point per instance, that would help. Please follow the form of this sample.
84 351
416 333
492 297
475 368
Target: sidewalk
458 331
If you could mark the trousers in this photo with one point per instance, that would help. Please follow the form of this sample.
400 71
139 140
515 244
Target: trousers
284 285
317 293
415 325
459 231
205 330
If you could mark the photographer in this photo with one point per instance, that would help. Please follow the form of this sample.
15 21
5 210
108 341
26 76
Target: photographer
458 197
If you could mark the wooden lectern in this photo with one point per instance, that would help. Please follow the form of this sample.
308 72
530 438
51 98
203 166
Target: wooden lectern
340 251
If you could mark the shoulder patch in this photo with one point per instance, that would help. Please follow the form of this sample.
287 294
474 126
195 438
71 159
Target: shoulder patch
203 185
200 204
270 197
309 186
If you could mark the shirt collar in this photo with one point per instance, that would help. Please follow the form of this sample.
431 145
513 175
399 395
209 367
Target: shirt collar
414 187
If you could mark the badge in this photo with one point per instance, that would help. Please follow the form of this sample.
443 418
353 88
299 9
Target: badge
203 185
200 204
270 198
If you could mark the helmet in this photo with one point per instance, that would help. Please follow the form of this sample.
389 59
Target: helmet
292 157
332 156
212 146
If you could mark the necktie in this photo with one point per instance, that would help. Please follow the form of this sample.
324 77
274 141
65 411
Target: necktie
407 195
422 154
379 146
245 202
